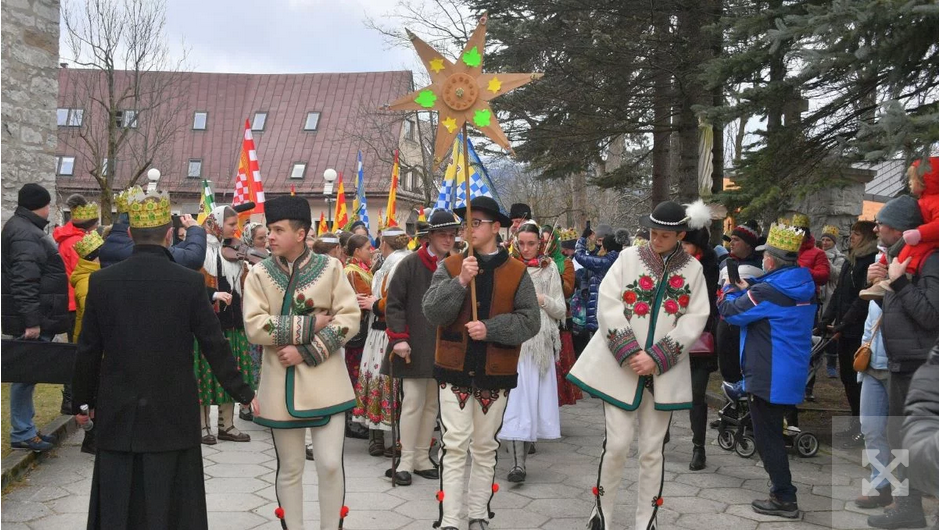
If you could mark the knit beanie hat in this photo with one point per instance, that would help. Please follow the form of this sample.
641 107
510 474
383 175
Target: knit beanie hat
604 230
748 232
901 213
33 197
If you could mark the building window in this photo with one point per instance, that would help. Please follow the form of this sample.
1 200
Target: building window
312 121
409 129
126 118
69 117
299 168
195 168
199 121
65 166
257 124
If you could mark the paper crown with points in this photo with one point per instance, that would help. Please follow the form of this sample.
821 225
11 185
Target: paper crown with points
89 244
800 220
149 210
568 235
121 201
86 212
785 239
831 230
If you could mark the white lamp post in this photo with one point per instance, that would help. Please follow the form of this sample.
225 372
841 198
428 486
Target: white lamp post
329 177
153 175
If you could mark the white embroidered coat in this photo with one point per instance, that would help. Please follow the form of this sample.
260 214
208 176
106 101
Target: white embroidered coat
280 308
648 304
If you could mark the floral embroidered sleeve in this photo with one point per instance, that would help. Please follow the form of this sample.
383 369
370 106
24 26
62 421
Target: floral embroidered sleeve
622 343
613 320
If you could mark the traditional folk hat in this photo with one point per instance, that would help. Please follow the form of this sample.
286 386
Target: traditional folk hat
831 231
487 205
289 207
520 210
86 212
670 216
89 244
801 220
422 228
149 210
443 219
783 241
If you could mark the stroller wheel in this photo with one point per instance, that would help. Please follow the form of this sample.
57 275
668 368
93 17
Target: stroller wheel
746 446
725 439
806 444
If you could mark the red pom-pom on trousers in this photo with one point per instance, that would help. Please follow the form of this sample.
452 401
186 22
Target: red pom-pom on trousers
440 495
344 512
495 487
279 513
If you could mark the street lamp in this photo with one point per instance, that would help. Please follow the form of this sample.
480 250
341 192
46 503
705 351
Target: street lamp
329 177
153 175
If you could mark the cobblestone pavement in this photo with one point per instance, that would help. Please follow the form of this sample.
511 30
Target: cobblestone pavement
240 495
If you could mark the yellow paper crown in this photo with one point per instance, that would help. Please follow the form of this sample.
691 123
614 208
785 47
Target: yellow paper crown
121 200
88 244
831 230
800 220
86 212
783 221
149 210
785 238
568 235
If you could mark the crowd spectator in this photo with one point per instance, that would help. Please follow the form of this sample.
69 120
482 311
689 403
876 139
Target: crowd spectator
910 326
596 265
845 315
874 409
35 299
921 426
836 259
810 256
743 241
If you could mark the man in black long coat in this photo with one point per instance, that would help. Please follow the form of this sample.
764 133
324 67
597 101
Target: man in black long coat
134 370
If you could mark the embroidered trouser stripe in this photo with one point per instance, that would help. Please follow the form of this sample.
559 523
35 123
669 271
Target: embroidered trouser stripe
290 446
468 430
620 429
418 416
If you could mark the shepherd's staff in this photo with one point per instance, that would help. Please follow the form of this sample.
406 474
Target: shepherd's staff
394 413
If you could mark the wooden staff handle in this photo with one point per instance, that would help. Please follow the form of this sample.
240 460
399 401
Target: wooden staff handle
469 217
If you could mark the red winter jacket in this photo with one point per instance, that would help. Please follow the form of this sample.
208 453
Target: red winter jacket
815 260
929 204
67 236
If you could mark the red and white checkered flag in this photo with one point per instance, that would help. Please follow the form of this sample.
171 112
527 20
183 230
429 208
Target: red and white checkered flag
248 186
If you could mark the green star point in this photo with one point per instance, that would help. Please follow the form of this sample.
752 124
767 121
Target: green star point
482 118
426 99
472 57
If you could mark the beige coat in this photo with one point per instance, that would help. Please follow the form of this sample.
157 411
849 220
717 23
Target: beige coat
280 308
645 304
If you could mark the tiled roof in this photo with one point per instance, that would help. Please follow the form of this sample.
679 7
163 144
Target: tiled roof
888 182
229 99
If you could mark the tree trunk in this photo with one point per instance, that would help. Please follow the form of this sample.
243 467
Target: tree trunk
579 181
693 55
661 110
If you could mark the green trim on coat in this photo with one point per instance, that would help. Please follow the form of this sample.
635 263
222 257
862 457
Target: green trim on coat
287 424
309 413
607 398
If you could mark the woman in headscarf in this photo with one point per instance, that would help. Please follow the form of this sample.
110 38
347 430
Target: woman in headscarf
358 271
224 277
532 412
254 236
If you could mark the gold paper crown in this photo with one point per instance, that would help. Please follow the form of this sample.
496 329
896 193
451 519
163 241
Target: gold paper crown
568 235
121 200
149 210
86 212
785 238
831 230
800 220
88 244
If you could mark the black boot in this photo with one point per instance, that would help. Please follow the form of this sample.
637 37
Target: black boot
354 430
698 458
774 507
66 407
908 514
88 443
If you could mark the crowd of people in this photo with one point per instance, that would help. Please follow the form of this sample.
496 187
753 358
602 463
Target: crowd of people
480 325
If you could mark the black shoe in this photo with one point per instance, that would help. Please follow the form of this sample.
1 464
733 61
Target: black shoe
698 459
356 431
714 424
531 449
401 477
88 443
856 441
35 444
245 414
882 499
66 407
309 452
517 474
430 473
908 514
774 507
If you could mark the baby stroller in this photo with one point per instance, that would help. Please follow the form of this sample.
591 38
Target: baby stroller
735 428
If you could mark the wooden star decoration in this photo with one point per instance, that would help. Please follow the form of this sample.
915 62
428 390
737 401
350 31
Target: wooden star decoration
460 91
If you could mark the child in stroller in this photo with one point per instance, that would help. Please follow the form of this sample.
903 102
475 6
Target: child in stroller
735 429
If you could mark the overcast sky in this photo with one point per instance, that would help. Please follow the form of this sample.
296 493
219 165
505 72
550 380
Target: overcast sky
281 36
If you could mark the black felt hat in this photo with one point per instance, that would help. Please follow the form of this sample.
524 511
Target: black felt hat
520 210
667 215
487 205
443 219
288 207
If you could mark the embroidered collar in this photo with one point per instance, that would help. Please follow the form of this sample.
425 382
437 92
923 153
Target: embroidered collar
656 264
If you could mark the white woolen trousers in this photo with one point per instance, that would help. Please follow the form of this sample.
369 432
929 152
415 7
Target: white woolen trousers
620 429
418 417
290 445
468 429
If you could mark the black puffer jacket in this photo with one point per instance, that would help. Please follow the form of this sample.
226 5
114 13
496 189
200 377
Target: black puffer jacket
846 310
921 426
910 323
34 283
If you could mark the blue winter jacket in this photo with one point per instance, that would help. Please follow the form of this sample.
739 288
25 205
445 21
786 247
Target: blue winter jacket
188 253
776 315
596 267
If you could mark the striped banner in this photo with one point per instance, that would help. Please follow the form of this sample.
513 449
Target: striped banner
248 186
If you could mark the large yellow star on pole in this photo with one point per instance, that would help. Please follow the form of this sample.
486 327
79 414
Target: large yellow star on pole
461 91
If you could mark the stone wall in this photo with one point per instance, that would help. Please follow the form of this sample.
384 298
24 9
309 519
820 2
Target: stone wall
840 206
30 58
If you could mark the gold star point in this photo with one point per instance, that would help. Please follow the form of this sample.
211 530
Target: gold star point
494 85
436 65
450 124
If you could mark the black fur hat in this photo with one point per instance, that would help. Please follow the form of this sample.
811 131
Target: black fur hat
287 207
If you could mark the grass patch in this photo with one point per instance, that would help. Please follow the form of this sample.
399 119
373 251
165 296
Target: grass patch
47 399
